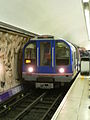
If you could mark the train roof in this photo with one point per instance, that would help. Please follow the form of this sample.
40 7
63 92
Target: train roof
50 37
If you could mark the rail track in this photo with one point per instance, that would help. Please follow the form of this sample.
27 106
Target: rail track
35 105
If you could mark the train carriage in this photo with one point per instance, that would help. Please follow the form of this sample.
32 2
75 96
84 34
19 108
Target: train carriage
47 61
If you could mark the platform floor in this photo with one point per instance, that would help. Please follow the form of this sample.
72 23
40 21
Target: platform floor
75 105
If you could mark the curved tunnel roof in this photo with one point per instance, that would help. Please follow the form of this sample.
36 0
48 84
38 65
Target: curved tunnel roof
59 18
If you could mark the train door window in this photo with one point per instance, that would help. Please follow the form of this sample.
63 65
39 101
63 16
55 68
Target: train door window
72 57
75 58
45 54
72 60
30 53
62 52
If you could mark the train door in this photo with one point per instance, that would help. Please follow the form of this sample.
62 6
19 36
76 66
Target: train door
45 56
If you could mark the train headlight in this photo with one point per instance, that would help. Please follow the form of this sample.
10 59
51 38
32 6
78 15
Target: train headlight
30 69
61 70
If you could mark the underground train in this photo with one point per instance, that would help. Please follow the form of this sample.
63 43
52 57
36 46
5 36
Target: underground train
48 62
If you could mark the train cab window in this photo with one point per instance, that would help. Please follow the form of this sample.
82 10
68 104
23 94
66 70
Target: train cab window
62 52
30 53
45 54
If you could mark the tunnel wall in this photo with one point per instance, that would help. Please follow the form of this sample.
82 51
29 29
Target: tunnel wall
11 44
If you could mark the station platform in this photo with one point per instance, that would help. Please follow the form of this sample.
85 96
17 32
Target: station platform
76 103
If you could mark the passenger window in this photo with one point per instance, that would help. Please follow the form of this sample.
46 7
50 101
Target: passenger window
30 52
62 52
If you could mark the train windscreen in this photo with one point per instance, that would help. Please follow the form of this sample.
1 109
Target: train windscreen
30 53
62 53
45 54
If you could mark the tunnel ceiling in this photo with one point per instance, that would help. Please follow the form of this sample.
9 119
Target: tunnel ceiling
63 19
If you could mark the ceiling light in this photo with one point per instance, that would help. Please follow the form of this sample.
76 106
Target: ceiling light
87 16
85 1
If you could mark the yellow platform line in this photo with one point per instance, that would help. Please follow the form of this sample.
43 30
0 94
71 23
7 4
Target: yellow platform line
82 77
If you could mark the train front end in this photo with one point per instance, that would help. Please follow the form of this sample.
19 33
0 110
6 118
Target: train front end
47 61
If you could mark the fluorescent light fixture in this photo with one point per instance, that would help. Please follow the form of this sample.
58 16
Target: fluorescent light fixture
85 1
87 16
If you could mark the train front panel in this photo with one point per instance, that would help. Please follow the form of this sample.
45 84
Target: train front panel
47 58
